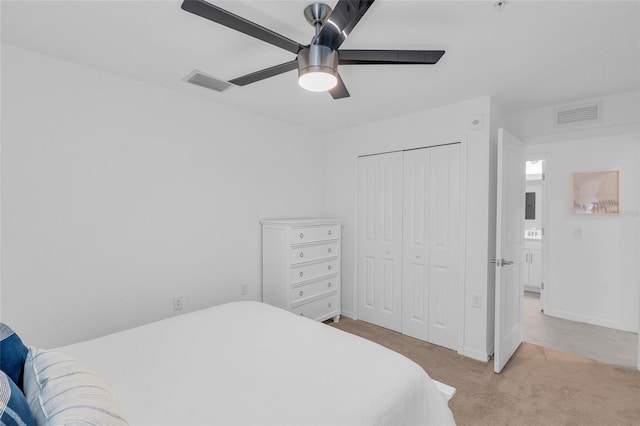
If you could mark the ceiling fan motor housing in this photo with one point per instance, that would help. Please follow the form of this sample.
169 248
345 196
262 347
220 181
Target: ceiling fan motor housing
317 58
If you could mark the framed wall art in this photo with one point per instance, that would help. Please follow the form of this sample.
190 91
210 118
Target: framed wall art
596 193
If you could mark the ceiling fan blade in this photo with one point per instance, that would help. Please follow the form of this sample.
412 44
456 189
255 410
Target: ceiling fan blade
344 17
340 90
265 73
388 57
228 19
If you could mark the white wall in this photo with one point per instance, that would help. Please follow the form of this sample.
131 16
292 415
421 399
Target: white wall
118 195
431 127
620 114
593 279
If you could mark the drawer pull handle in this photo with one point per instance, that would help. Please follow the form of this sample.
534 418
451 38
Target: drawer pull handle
329 305
301 235
301 273
301 254
329 232
329 267
329 249
329 285
301 293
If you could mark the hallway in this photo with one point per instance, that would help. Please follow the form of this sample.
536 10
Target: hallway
591 341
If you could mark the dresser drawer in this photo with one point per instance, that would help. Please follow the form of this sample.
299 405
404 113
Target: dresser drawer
319 309
315 288
314 270
313 233
314 252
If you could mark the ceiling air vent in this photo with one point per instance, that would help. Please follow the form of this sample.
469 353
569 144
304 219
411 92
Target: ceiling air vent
201 79
589 113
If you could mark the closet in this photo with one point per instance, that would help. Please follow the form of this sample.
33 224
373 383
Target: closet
409 242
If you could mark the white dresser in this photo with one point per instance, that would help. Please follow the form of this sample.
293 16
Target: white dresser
301 266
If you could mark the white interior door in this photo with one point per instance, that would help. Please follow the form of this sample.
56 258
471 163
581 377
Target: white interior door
509 248
380 239
431 223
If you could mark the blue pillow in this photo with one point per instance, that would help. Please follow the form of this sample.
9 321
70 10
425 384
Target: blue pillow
14 409
13 353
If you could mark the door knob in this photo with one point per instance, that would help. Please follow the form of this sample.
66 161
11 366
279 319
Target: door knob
501 262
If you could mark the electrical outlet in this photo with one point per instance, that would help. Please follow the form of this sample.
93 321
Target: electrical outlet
244 289
177 303
578 232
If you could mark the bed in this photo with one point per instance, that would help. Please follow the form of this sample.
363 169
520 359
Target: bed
249 363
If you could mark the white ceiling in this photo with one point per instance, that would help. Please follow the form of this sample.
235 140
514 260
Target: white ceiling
530 54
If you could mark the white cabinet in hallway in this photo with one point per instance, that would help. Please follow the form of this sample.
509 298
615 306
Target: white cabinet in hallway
532 269
409 242
301 266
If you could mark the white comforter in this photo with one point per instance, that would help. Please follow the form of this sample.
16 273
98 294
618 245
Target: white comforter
248 363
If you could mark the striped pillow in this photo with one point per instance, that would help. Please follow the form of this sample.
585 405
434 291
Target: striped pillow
64 391
12 354
14 410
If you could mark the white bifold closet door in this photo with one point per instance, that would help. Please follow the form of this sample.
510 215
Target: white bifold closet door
431 240
408 242
380 240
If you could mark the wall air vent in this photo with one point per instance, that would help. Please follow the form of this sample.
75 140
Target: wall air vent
201 79
581 114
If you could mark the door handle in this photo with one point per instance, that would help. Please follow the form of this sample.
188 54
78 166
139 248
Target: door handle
501 262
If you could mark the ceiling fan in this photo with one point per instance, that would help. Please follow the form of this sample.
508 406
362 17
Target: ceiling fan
317 62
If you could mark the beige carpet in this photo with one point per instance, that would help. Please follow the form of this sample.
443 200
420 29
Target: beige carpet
539 386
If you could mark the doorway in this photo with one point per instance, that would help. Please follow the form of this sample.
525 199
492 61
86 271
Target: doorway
591 341
534 229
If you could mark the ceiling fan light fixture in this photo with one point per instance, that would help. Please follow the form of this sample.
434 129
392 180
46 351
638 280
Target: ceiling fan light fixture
317 68
317 81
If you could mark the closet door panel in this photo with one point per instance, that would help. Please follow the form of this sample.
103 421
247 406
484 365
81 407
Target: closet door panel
367 294
390 243
443 224
416 193
416 276
380 241
369 277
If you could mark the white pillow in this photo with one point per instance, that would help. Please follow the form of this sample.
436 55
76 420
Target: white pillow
61 390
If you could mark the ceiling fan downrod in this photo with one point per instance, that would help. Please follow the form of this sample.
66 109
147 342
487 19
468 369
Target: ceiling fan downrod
316 14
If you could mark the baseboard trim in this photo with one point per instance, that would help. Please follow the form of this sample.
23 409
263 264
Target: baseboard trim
477 355
588 320
349 314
